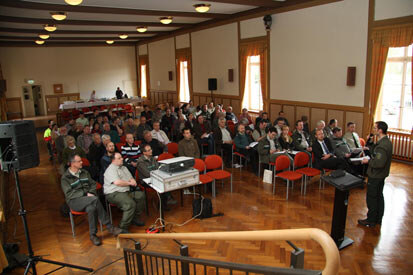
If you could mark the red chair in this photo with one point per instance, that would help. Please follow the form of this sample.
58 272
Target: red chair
241 156
85 110
282 163
119 146
137 142
203 178
231 126
123 139
103 108
85 162
172 148
302 159
164 156
362 142
128 109
94 108
75 113
214 162
66 116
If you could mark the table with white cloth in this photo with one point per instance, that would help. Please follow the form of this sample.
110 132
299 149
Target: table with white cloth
79 105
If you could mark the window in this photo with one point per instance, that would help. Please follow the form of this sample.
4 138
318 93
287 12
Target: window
183 82
253 91
395 102
143 82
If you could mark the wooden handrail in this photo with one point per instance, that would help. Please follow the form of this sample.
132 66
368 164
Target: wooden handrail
326 242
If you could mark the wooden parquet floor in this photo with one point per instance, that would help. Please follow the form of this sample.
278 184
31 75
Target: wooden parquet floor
251 206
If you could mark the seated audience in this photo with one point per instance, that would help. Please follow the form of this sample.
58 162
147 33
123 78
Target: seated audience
168 120
301 139
324 157
278 125
211 108
157 147
351 137
96 152
229 115
157 116
80 193
105 140
216 117
130 153
223 141
329 129
70 125
286 142
114 135
85 139
96 128
281 116
306 128
245 115
71 149
242 145
189 123
269 148
203 134
106 159
204 112
76 131
130 127
188 147
179 125
147 113
117 188
158 134
191 107
259 133
320 125
263 117
143 126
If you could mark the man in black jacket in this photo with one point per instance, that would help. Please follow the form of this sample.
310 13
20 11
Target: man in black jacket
96 152
223 141
323 153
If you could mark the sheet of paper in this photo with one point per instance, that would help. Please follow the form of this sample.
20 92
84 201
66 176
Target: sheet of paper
359 159
252 144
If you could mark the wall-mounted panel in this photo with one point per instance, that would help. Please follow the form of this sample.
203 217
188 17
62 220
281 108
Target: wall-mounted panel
182 41
301 111
253 27
161 61
386 9
274 110
289 111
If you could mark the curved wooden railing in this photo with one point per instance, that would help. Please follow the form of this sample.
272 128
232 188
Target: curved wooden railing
321 237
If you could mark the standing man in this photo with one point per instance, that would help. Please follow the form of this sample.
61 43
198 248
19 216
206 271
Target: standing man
117 189
80 192
378 170
119 93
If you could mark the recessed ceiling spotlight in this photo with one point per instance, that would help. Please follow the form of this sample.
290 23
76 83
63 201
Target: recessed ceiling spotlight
166 20
39 42
202 7
110 42
74 2
141 29
50 28
123 36
59 15
44 36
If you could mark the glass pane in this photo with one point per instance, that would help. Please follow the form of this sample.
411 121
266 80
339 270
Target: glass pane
409 73
396 52
183 82
409 50
255 59
391 104
407 123
393 73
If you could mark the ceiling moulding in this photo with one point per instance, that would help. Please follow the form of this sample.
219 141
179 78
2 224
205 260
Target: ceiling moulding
64 44
54 38
286 6
14 30
91 9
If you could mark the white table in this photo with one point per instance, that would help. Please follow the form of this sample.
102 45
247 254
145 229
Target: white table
80 105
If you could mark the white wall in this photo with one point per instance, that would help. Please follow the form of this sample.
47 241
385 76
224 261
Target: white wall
79 69
214 51
143 49
311 50
386 9
253 27
182 41
161 61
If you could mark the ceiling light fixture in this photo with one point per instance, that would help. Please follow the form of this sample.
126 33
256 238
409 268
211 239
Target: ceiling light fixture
141 29
50 28
166 20
202 7
39 42
59 15
44 36
74 2
123 36
110 42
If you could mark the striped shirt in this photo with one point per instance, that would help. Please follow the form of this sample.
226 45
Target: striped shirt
130 153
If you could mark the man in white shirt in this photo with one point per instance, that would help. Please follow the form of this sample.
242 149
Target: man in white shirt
82 119
223 141
158 134
118 181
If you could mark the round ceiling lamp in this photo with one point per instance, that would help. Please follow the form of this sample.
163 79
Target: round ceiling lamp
166 20
74 2
59 16
39 42
202 7
50 28
141 29
110 42
123 36
44 36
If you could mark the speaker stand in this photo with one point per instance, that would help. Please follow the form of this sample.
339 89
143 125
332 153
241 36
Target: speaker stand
33 259
212 96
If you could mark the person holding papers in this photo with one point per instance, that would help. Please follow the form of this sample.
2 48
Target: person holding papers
269 148
353 139
242 145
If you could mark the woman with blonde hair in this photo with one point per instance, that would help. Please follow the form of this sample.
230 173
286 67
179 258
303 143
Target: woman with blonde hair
285 140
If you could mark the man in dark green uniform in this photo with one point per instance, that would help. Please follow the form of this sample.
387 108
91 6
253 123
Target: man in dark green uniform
378 170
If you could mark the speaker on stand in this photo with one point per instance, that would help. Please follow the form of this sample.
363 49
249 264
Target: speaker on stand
19 151
212 86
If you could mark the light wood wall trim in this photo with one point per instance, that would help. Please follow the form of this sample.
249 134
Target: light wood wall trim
253 39
218 95
59 101
15 99
391 22
318 105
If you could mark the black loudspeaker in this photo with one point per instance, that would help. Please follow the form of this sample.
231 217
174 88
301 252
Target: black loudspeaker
212 84
18 145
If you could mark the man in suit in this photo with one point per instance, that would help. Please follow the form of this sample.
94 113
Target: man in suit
223 141
320 125
301 138
323 153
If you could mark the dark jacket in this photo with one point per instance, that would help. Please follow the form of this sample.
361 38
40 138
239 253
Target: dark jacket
157 147
167 124
141 129
188 148
286 145
74 187
297 139
218 138
340 147
199 130
318 151
145 166
242 141
264 147
379 165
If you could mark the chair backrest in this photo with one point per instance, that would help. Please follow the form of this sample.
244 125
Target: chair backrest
282 162
137 142
123 139
301 159
128 107
85 110
213 162
119 146
164 156
172 148
231 127
103 107
362 142
85 162
199 165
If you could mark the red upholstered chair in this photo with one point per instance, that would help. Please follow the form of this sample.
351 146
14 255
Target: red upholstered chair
85 162
129 110
241 156
75 113
172 148
119 146
85 110
231 126
123 139
203 178
66 116
164 156
214 162
362 142
301 165
282 163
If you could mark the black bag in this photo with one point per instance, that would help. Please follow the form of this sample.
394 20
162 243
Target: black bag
206 205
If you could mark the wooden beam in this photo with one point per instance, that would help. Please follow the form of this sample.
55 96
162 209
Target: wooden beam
16 30
32 38
63 44
106 10
256 3
25 20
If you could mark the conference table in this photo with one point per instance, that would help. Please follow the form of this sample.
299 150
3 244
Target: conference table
79 104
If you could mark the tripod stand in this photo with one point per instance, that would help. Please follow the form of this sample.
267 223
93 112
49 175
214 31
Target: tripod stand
33 259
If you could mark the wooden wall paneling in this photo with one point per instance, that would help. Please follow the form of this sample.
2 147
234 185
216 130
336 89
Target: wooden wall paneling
274 110
357 118
316 115
337 114
202 100
301 111
289 111
196 100
226 102
218 100
236 106
14 107
52 104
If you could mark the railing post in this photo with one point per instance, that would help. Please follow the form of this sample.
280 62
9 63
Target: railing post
183 250
139 259
297 256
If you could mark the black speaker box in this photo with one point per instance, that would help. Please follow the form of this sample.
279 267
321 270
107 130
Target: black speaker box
212 84
18 145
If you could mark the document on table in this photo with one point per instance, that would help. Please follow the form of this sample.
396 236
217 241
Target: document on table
359 159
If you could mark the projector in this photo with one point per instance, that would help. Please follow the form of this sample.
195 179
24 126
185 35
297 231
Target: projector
176 164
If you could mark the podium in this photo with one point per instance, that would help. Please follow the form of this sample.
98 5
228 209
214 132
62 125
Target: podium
342 185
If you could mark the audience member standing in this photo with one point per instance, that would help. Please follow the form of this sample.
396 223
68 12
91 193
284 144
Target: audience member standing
96 152
119 93
48 138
